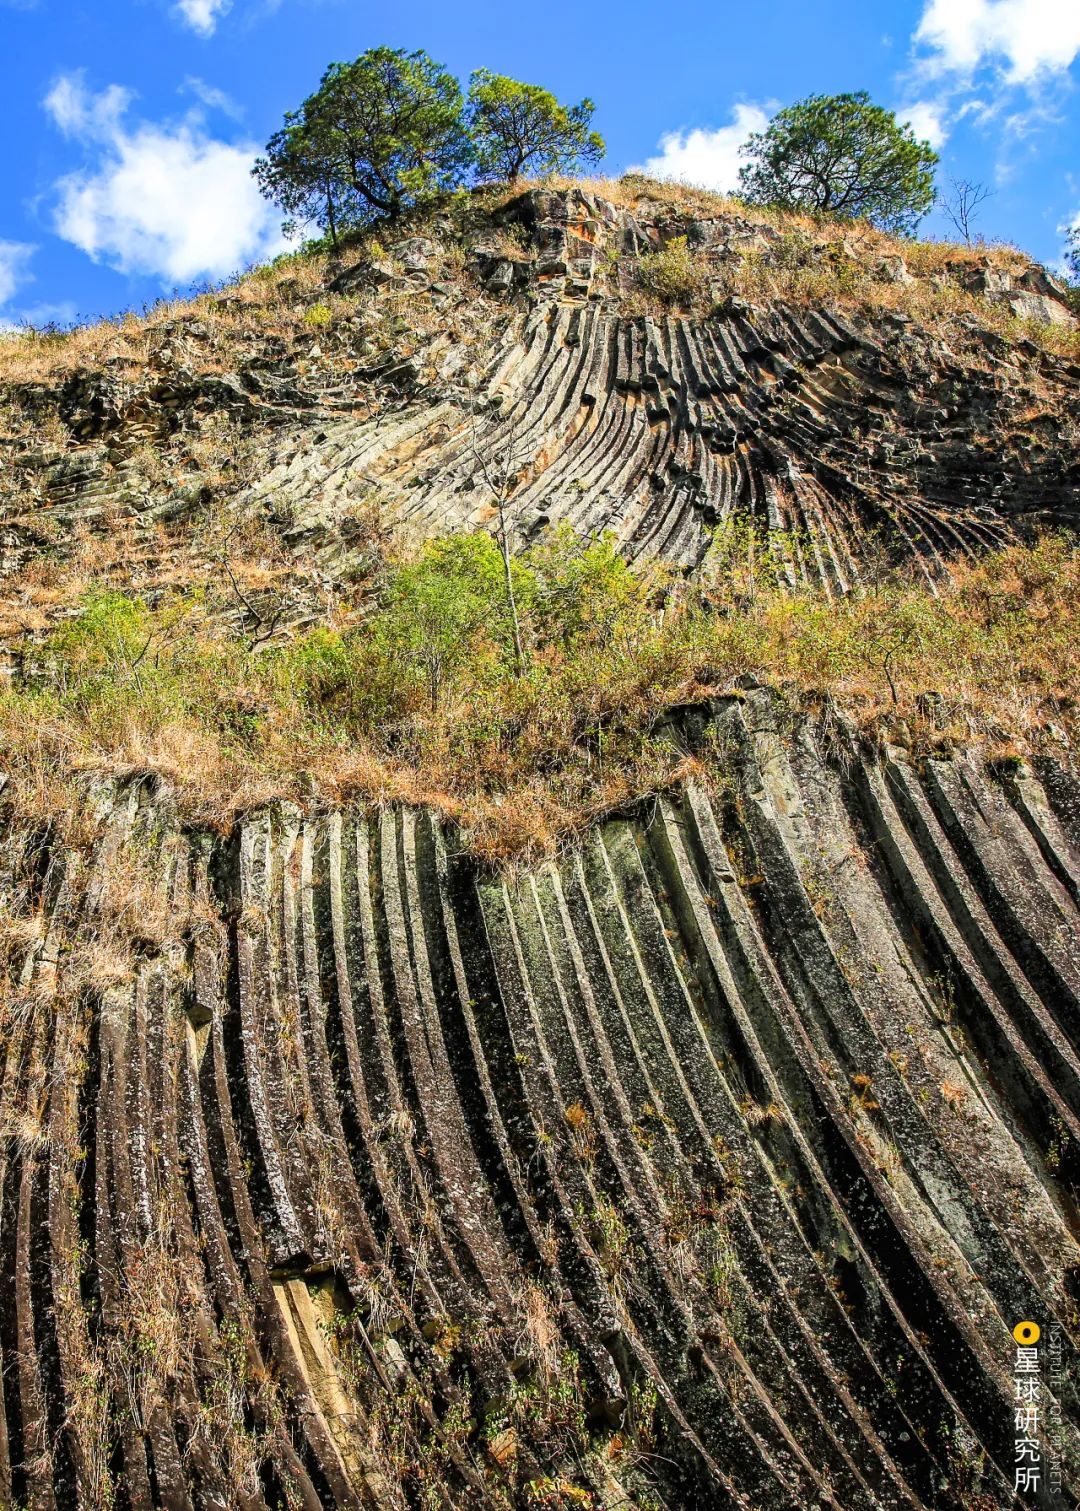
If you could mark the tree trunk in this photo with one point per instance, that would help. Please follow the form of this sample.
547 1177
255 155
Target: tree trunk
515 623
330 218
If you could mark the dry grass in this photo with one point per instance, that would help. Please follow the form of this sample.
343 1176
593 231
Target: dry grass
269 300
924 257
521 764
288 298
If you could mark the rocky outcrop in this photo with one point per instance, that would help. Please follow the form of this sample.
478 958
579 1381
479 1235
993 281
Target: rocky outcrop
711 1166
508 358
851 439
659 430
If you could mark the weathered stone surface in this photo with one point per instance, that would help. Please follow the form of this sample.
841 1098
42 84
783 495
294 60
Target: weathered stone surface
1038 281
895 270
853 440
710 1166
765 1109
1044 307
989 280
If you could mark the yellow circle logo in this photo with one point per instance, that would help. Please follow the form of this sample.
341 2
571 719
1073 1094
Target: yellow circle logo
1027 1332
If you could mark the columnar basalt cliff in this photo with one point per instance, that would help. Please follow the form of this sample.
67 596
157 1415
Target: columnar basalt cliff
656 428
709 1164
456 375
747 1130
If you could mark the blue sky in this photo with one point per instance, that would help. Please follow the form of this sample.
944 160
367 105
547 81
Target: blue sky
131 124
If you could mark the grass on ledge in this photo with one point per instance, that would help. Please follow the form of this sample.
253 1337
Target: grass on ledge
426 702
810 260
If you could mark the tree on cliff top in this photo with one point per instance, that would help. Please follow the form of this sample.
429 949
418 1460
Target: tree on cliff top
377 135
843 156
520 127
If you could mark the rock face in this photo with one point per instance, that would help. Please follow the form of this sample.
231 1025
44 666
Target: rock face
538 376
711 1167
658 430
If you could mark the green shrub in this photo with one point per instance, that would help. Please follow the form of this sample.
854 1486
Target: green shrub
584 593
674 275
318 315
425 697
447 615
108 633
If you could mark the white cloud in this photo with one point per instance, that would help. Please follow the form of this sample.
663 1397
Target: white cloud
1029 38
14 257
1062 264
79 113
707 158
201 15
211 97
62 314
927 120
165 199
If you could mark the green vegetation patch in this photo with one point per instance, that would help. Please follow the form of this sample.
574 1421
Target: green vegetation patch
427 699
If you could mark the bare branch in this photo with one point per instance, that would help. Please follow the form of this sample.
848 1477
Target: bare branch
961 203
501 491
263 627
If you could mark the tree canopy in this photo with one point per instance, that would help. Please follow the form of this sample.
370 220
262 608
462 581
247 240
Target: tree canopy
377 135
392 128
521 127
844 156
